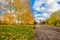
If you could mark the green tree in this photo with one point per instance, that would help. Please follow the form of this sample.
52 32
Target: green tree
54 18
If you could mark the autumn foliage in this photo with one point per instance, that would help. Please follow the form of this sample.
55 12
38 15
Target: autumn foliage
22 12
54 19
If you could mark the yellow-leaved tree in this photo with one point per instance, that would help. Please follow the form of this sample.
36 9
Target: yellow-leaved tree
19 11
54 18
23 12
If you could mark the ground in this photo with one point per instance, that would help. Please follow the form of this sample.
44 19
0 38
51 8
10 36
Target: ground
43 32
15 32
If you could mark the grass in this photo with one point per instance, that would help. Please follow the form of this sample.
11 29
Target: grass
14 32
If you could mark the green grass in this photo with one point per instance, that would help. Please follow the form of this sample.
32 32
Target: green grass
14 32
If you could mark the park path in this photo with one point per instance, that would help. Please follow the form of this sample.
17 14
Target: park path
43 32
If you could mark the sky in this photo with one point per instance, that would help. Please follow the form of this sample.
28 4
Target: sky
42 9
3 6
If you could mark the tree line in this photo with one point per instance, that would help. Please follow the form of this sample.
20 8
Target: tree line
53 20
19 13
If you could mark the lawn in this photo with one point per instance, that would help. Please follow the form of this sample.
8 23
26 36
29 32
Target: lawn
14 32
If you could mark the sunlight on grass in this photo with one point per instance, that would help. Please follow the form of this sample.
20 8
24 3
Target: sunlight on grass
11 32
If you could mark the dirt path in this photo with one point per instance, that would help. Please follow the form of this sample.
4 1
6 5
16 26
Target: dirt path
43 32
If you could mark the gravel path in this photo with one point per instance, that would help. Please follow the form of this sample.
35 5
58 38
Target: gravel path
43 32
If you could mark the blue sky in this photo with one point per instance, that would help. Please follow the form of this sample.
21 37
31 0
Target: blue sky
42 9
4 6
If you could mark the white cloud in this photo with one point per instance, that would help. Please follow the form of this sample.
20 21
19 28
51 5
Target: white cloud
45 14
35 15
51 6
54 7
50 1
36 5
38 9
3 1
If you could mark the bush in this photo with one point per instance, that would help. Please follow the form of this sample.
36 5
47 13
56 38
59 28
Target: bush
58 24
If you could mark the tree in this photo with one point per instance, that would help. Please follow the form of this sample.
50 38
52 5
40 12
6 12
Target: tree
21 11
54 18
24 13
